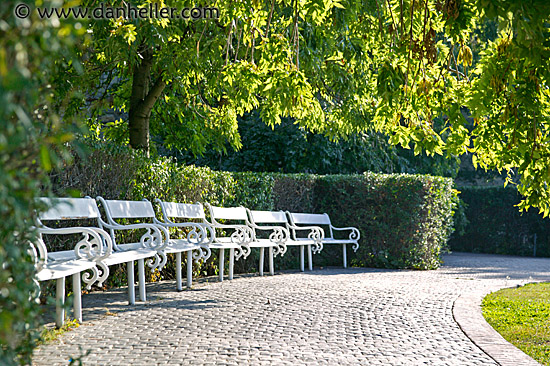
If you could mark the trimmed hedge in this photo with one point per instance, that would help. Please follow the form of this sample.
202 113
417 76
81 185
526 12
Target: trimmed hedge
497 227
404 220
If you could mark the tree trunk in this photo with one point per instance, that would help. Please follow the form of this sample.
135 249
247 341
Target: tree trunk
142 100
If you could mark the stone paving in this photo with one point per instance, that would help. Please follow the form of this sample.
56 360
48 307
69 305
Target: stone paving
333 316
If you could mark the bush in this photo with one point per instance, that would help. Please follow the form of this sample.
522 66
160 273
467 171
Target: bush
404 220
295 192
497 227
31 135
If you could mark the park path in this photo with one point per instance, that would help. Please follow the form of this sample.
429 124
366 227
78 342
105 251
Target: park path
355 316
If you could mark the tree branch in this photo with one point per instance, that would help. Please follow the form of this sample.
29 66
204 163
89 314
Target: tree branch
269 19
153 95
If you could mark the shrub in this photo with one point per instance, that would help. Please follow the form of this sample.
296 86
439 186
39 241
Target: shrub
405 220
31 135
295 192
254 190
497 227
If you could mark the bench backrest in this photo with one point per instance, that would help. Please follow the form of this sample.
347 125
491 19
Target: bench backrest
309 219
62 209
228 213
182 210
69 209
117 209
268 217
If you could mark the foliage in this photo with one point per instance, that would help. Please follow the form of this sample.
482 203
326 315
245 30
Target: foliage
51 334
295 192
497 227
521 316
254 190
288 148
408 69
405 219
31 135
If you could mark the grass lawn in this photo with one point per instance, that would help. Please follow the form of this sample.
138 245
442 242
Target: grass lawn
522 316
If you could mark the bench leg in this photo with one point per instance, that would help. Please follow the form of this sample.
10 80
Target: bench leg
131 288
141 274
262 250
189 269
221 264
231 262
271 265
77 301
309 257
178 272
59 302
345 256
301 258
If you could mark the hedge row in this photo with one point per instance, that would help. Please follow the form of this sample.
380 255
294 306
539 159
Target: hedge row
405 220
497 227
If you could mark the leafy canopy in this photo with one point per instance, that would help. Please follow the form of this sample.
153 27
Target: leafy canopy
344 66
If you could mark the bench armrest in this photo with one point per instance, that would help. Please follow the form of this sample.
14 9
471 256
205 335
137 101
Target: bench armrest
242 234
353 235
278 236
316 233
282 233
200 233
96 248
152 239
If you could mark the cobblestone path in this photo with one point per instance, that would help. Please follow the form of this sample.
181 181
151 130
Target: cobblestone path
332 316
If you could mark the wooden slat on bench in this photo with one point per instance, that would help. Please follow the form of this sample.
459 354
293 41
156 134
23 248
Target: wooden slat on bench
69 209
229 213
184 210
310 219
278 217
130 209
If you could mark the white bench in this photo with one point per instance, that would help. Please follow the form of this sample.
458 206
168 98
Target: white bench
150 246
143 210
200 235
89 253
242 234
323 220
315 234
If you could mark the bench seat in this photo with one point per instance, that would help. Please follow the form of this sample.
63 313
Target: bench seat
129 255
224 245
338 241
258 243
54 270
126 252
179 245
300 241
